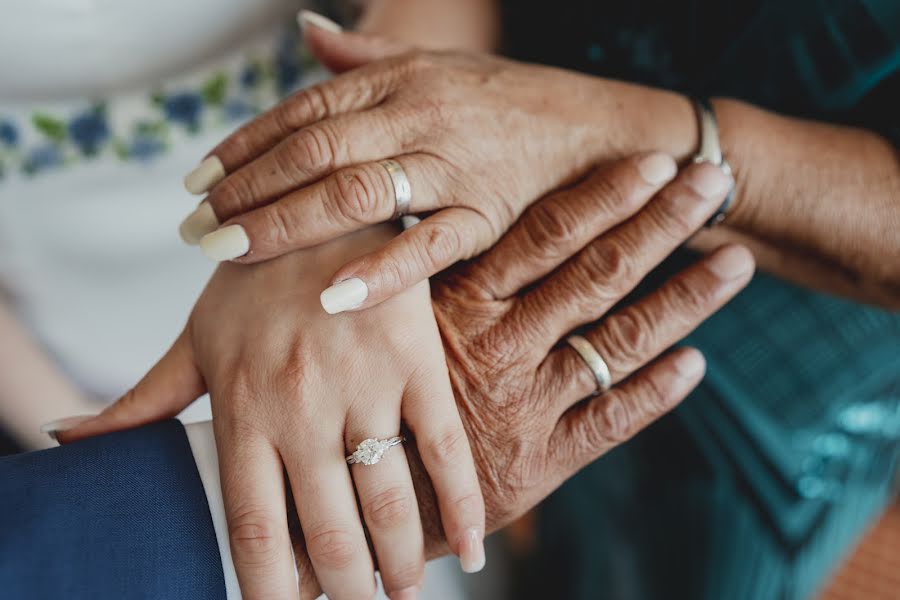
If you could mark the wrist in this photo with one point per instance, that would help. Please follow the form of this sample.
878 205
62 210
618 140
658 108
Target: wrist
636 118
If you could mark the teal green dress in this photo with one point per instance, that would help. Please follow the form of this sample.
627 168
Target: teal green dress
763 480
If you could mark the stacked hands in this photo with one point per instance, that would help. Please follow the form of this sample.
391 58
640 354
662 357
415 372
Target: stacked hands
496 412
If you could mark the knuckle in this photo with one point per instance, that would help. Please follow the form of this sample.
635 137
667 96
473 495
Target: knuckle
442 242
356 194
444 449
549 225
254 535
616 265
315 148
330 547
607 272
235 193
241 141
610 193
403 576
669 215
278 225
307 105
628 339
389 508
655 398
689 299
469 504
612 423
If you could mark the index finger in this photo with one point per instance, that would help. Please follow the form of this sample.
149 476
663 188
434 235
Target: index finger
356 90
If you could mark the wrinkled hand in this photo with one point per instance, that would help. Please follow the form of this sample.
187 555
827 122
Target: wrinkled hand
524 399
479 137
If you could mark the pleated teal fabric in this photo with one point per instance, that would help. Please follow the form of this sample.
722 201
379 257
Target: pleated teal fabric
769 472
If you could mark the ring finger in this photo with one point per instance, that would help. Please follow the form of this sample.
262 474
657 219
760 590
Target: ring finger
635 335
345 201
389 507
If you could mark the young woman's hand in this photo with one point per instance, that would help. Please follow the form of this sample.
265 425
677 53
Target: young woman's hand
294 391
479 138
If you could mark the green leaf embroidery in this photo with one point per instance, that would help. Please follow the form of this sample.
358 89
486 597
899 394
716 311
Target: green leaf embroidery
52 127
214 89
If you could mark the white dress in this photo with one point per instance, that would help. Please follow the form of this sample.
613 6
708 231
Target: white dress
104 106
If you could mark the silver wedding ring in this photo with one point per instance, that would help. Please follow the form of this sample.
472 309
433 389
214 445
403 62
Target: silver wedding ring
593 360
370 451
402 188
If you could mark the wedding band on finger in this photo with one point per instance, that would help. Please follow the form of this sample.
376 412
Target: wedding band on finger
593 360
370 451
402 188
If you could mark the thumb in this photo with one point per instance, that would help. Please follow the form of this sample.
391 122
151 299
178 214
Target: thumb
340 50
173 383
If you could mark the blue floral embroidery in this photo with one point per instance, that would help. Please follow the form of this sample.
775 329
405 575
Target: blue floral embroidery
287 66
37 142
89 131
251 76
144 148
43 157
184 108
9 135
238 108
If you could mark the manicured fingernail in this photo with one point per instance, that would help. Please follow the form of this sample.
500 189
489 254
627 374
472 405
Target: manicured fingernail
409 593
657 168
689 364
308 18
207 174
471 553
227 243
344 295
731 263
54 427
409 221
199 223
709 181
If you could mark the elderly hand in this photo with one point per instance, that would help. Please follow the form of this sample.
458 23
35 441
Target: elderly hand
525 399
294 390
478 137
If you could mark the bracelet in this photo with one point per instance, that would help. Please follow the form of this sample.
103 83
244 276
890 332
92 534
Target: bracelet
711 152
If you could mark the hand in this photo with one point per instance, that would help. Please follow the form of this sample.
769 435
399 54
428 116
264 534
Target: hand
525 400
294 390
479 138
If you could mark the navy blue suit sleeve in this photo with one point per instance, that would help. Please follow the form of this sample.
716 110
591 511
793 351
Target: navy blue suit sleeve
117 516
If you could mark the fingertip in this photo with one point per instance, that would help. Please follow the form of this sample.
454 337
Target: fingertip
690 363
657 168
349 294
204 176
472 557
308 20
732 261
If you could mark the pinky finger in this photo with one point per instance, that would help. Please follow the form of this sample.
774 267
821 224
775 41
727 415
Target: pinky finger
418 253
429 410
592 428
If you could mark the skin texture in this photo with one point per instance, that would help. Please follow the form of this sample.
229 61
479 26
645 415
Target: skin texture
478 137
798 182
275 364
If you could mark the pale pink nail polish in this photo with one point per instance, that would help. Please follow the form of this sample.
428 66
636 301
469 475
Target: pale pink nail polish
471 553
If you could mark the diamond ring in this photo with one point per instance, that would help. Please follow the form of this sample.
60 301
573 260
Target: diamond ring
370 451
